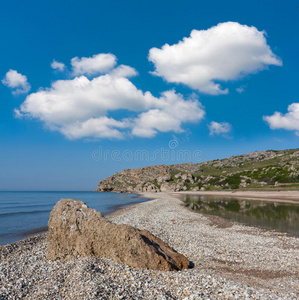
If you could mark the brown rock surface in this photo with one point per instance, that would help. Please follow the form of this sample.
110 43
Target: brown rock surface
77 230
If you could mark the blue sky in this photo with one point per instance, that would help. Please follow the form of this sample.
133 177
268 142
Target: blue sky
130 87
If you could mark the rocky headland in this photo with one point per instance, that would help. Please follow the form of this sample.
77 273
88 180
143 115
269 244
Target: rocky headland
253 171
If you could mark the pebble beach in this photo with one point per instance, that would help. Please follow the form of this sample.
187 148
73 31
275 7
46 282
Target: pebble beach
230 261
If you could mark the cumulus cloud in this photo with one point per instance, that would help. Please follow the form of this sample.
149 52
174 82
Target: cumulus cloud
228 51
99 63
81 107
102 127
288 121
56 65
124 71
219 128
17 82
69 104
168 114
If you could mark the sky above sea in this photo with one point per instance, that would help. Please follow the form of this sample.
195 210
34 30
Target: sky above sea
91 88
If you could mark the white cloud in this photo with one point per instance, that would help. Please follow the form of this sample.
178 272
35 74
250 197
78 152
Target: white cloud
168 114
123 71
219 128
102 127
99 63
240 90
17 82
68 104
80 107
56 65
228 51
288 121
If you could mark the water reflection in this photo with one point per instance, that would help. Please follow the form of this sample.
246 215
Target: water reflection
280 216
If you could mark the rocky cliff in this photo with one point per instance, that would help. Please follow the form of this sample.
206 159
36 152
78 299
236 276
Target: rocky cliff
255 170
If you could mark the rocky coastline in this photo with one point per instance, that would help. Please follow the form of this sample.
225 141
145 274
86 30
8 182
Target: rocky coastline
231 261
271 170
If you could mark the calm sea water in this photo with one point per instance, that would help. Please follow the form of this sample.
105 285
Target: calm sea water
283 217
25 213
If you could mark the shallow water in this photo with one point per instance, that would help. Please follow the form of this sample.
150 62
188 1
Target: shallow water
25 213
283 217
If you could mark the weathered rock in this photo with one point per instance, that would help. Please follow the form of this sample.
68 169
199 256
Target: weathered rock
164 178
167 187
188 176
76 230
135 179
105 188
150 187
179 175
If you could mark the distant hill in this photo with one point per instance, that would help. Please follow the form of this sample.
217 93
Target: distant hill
256 170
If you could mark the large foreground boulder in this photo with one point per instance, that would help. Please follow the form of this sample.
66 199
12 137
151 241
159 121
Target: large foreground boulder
75 230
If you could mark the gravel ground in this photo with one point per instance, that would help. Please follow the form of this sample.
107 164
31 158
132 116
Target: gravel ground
231 261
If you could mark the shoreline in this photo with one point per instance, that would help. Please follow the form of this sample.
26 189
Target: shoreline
271 196
230 261
282 196
19 236
219 220
113 209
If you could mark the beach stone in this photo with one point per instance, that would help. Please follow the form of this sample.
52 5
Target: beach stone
75 230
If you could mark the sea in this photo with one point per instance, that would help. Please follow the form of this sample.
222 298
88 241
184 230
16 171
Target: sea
23 214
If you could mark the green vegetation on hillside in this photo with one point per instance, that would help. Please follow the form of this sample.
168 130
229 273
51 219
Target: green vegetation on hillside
261 170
